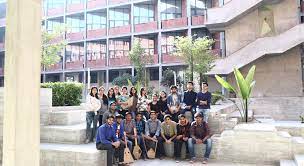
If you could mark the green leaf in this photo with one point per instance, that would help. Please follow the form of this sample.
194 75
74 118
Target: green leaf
225 84
250 75
242 84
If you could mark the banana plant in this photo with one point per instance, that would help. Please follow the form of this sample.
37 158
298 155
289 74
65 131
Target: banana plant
243 89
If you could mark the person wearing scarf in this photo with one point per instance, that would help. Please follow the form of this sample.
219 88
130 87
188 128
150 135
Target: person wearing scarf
183 134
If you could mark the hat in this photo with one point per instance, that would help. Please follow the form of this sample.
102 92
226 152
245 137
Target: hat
128 113
112 103
173 86
119 116
198 115
167 116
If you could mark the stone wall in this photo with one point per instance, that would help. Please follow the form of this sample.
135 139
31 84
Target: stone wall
248 28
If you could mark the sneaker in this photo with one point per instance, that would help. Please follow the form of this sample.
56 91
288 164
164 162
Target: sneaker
87 141
205 161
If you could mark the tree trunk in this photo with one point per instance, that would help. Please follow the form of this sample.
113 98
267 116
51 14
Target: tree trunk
246 110
201 76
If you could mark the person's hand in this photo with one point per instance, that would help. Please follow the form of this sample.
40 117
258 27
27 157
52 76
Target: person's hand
154 138
116 144
185 138
199 141
168 141
179 136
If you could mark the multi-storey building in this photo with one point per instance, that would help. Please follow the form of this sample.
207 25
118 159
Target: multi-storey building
267 33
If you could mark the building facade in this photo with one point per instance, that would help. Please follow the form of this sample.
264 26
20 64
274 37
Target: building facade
101 32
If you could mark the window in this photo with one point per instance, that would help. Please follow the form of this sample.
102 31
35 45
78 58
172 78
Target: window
119 17
148 44
113 75
74 1
74 53
198 7
167 42
96 50
171 9
143 13
51 4
154 74
200 33
119 48
53 24
96 20
75 24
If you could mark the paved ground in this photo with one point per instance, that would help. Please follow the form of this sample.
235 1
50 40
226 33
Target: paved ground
170 162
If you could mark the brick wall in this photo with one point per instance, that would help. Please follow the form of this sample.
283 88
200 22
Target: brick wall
96 3
171 59
96 33
75 7
198 20
55 11
97 63
174 23
120 30
75 36
74 65
122 61
55 67
150 26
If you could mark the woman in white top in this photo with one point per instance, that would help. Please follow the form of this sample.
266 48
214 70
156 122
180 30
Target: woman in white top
93 105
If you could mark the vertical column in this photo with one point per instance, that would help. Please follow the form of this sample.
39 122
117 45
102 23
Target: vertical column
107 79
132 18
21 127
222 44
189 16
159 57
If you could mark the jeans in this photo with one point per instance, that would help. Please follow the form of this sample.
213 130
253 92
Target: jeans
91 118
160 151
178 147
110 152
208 144
204 112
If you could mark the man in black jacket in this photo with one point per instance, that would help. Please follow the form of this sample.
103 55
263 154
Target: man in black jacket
183 134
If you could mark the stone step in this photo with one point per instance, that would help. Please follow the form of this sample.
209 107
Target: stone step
299 159
287 163
68 117
72 134
236 114
71 155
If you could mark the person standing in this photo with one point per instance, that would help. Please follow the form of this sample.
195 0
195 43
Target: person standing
123 101
163 104
154 105
174 103
203 101
152 135
104 104
92 105
189 100
183 134
142 104
106 140
132 102
111 96
200 133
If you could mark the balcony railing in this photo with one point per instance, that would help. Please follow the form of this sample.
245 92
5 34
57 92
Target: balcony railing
96 33
150 26
174 23
54 67
113 2
120 30
96 63
198 20
55 11
75 36
96 4
75 7
74 65
2 22
120 61
168 58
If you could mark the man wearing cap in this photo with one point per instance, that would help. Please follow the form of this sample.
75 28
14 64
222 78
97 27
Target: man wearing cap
174 103
152 130
119 131
200 133
106 140
112 111
183 134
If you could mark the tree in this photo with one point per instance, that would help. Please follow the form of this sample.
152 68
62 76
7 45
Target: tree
124 80
196 53
168 78
140 59
52 46
243 90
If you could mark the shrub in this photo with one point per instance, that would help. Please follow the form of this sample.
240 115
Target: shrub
168 78
65 93
216 96
123 80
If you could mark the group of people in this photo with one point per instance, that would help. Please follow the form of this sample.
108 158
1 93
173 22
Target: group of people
126 120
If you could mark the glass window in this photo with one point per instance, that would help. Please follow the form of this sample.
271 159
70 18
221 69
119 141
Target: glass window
143 13
96 20
167 42
119 48
51 4
74 53
119 17
148 43
198 7
96 50
171 9
53 24
75 24
74 1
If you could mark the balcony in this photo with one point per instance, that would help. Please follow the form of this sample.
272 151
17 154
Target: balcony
54 67
2 46
120 61
74 65
57 39
145 27
198 20
120 30
75 7
96 4
96 63
2 22
168 58
55 11
154 59
113 2
96 33
75 36
175 23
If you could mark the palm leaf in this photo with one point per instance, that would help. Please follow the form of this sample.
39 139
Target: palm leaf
249 77
242 84
225 84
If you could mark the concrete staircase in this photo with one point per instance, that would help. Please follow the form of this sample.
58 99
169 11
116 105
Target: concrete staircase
298 161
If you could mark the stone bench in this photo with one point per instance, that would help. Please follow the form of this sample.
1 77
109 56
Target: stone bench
199 150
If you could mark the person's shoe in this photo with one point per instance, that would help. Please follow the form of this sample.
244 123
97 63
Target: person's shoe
161 157
192 160
145 158
205 161
87 141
